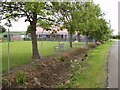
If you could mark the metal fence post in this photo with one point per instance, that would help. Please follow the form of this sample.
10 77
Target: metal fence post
8 51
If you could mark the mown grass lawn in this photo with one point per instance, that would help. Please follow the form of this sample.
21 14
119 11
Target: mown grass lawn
21 52
91 73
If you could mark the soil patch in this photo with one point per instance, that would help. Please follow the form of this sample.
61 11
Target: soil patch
46 73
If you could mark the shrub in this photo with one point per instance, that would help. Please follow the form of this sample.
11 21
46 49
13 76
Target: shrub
64 58
4 81
85 57
20 77
90 46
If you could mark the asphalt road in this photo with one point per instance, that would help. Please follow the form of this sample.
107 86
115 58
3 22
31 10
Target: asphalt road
113 65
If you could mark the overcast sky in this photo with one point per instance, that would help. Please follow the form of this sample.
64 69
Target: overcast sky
109 7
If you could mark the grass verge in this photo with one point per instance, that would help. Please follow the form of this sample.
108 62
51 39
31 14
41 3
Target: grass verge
90 73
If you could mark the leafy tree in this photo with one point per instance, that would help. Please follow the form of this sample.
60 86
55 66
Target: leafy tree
92 23
92 13
65 14
118 36
33 11
2 29
83 18
102 32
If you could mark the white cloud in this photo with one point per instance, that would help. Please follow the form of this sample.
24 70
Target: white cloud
110 7
21 25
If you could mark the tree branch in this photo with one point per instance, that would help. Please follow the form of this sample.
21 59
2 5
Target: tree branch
45 18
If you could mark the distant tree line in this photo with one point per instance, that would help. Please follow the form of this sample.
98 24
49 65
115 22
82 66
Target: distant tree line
116 36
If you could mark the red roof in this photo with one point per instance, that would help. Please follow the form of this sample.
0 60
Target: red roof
61 32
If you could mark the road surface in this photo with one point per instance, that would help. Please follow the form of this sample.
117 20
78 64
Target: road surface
113 65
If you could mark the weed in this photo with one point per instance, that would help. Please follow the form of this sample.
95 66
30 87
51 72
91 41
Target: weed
20 77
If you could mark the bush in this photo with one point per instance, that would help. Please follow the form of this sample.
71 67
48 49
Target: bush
64 58
4 81
20 77
85 57
91 46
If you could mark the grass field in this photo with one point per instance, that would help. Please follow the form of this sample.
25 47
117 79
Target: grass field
92 72
21 52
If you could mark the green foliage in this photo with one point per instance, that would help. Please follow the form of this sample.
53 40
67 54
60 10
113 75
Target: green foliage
44 24
20 77
116 36
4 81
85 57
93 24
2 29
32 11
64 59
28 30
84 17
65 15
103 32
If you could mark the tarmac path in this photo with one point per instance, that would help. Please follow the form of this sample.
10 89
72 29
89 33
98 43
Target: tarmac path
113 65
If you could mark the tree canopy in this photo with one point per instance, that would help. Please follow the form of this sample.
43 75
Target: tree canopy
32 11
86 18
66 15
2 29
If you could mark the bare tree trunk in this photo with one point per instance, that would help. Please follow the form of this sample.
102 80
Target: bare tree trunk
35 54
87 39
95 42
70 39
78 37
